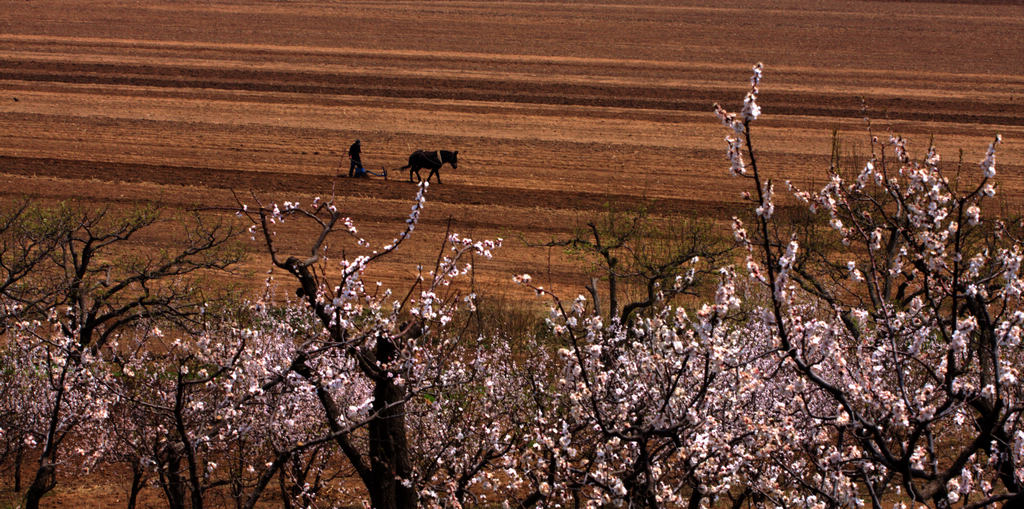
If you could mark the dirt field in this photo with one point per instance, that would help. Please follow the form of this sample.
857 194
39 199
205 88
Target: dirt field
556 109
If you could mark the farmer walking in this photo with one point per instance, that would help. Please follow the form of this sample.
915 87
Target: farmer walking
356 161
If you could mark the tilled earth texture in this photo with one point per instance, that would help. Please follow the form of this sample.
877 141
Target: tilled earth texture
558 110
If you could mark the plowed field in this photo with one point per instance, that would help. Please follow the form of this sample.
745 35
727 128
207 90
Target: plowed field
556 109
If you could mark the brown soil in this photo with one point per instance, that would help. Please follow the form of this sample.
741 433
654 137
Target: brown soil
557 110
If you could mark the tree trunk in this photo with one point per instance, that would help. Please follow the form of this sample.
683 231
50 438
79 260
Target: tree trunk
695 499
594 295
286 496
1005 464
46 477
640 485
44 481
389 447
276 467
300 476
137 473
19 457
170 477
613 289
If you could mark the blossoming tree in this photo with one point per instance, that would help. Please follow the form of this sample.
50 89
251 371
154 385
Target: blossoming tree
420 413
71 288
902 342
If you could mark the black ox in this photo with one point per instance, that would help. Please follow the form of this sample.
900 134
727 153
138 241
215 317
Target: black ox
432 159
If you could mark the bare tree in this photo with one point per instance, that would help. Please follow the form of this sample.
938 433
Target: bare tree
643 258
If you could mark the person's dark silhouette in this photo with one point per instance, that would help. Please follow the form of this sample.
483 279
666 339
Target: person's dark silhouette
356 161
